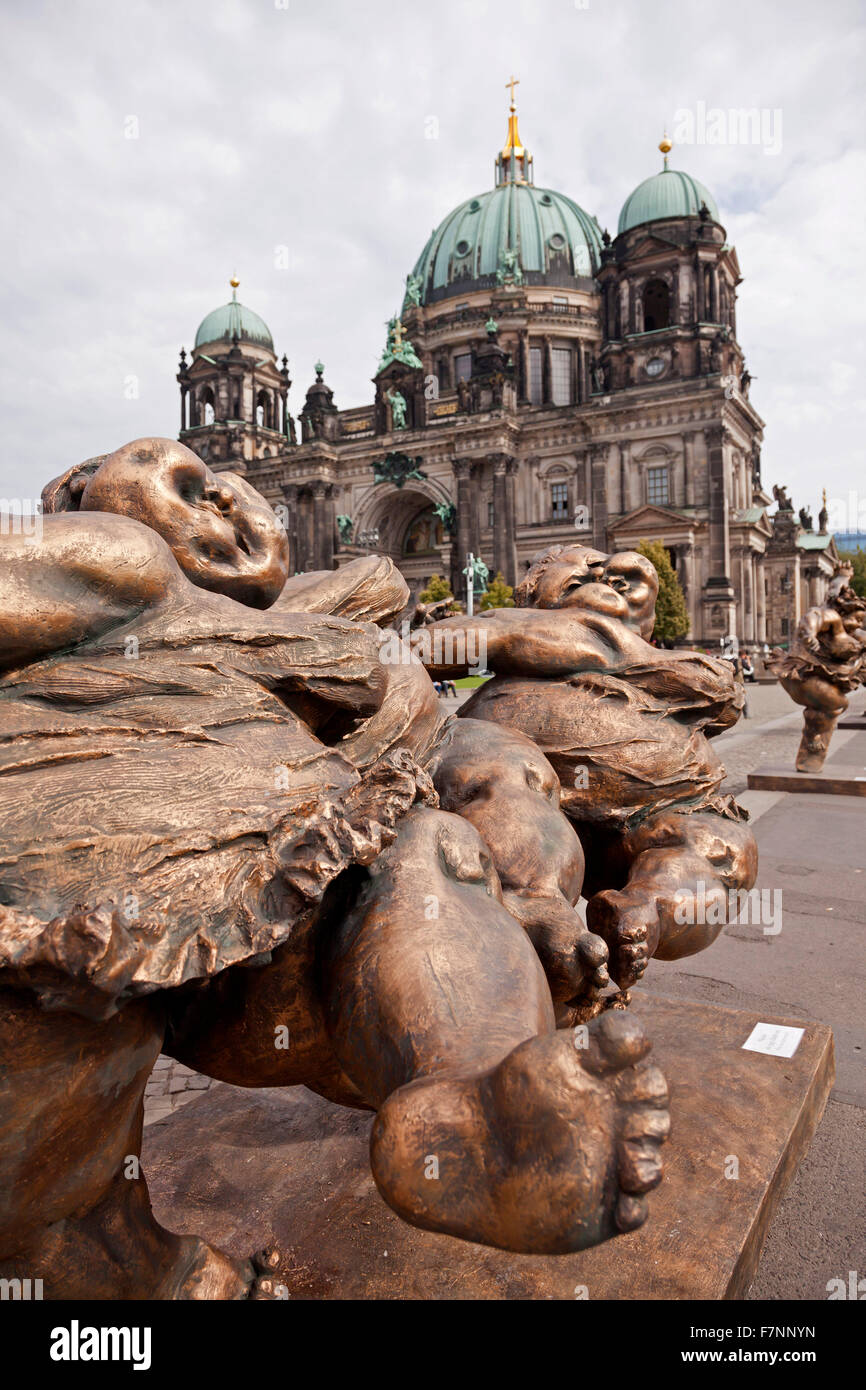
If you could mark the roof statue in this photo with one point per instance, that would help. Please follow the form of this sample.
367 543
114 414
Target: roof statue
398 348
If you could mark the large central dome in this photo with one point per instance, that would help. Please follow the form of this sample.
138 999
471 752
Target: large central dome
552 237
514 231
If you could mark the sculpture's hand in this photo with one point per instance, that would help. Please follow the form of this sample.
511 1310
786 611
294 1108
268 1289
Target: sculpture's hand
540 642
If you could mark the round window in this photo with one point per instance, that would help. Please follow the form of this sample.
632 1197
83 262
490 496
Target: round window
655 366
557 241
546 199
462 248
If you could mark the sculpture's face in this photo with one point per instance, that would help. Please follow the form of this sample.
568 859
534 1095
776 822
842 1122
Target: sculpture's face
222 532
634 578
621 586
562 581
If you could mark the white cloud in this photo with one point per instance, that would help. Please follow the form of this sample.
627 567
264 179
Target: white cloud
304 126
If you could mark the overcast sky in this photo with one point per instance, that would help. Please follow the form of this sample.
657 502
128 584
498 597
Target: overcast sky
152 149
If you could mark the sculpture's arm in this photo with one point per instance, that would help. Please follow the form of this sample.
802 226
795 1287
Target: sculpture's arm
695 685
369 589
85 574
90 574
529 642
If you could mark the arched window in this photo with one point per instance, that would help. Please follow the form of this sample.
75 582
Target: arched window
206 412
656 306
263 411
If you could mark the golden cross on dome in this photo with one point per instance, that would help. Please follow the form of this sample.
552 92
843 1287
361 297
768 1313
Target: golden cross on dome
512 83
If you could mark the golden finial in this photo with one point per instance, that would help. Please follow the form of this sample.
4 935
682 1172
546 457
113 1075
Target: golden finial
512 144
234 282
665 145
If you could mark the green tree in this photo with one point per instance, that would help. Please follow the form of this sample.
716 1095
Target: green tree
437 588
858 560
672 617
498 594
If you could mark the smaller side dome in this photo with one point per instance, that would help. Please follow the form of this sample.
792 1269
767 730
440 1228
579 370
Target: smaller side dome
234 320
670 193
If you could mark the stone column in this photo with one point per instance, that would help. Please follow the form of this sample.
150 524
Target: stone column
598 503
290 502
320 492
461 469
686 576
720 545
718 592
329 527
675 296
511 575
624 477
524 368
500 512
623 309
689 448
760 600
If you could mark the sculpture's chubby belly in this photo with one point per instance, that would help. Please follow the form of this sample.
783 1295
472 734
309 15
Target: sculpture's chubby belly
614 748
167 818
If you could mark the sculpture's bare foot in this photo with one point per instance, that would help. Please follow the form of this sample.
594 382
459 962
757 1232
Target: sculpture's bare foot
551 1151
810 756
574 959
577 1011
629 923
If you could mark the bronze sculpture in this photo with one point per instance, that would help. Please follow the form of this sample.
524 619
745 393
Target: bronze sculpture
625 726
826 661
223 841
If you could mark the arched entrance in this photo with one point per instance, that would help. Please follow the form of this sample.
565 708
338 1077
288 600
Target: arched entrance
409 531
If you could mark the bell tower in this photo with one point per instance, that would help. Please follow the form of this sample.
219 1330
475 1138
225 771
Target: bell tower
233 394
668 285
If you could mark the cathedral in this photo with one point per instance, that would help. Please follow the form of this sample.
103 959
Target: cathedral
543 383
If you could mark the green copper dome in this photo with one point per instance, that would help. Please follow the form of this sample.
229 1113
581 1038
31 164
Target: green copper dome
234 320
670 193
512 234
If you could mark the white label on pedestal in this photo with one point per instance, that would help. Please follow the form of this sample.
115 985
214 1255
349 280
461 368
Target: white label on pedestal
774 1038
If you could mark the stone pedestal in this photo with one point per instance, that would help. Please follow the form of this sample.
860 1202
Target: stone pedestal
834 779
244 1167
